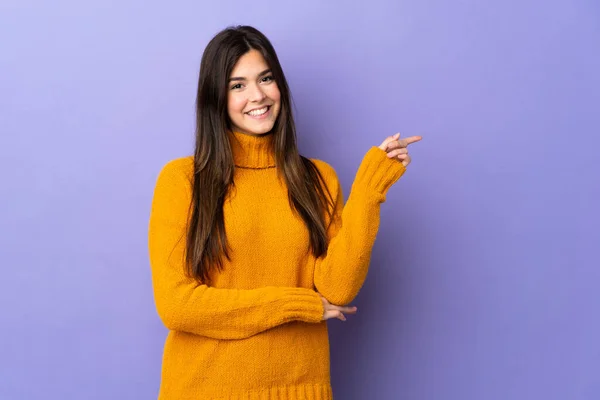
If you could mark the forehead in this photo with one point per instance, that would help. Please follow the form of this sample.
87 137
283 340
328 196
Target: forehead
251 63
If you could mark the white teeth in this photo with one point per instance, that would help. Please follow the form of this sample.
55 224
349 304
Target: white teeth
256 113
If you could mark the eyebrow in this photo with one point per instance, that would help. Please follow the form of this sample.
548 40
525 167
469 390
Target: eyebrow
240 78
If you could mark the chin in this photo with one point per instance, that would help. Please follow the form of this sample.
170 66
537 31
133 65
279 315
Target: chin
255 129
263 131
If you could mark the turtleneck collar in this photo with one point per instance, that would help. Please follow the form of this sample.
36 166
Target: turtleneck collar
252 151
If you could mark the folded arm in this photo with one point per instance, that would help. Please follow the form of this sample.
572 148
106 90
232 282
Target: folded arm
183 304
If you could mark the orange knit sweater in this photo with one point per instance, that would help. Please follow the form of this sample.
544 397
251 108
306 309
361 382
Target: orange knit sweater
256 332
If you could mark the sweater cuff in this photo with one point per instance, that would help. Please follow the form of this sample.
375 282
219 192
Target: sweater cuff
377 172
302 304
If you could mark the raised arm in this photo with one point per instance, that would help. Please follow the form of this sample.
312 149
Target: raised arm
340 274
185 305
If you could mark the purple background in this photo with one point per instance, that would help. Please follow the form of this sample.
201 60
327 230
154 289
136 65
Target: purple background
484 282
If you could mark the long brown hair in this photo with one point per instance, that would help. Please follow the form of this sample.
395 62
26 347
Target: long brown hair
213 159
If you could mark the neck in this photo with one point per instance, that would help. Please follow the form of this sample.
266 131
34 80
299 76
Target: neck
252 151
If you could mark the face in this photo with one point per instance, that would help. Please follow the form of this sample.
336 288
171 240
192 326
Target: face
253 99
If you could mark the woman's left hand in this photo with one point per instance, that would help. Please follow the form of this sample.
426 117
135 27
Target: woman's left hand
398 148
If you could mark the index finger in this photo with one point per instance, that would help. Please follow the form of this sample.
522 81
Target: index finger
409 140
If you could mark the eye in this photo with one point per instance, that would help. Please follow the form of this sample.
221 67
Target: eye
267 78
236 86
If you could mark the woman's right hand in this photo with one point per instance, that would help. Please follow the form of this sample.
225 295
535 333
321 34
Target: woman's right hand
332 311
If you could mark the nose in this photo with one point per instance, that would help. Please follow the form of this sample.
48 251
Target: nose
256 94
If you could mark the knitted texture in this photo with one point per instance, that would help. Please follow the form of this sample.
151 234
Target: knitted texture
257 332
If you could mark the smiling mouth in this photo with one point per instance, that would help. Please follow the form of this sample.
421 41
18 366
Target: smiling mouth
259 112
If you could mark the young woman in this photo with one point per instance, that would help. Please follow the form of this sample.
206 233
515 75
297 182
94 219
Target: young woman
251 245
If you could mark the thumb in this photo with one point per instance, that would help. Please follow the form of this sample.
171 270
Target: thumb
387 141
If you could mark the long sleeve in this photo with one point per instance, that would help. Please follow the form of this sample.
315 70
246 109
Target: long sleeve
185 305
340 274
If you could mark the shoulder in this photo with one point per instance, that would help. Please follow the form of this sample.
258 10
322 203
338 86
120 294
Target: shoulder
178 168
330 178
327 171
176 175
